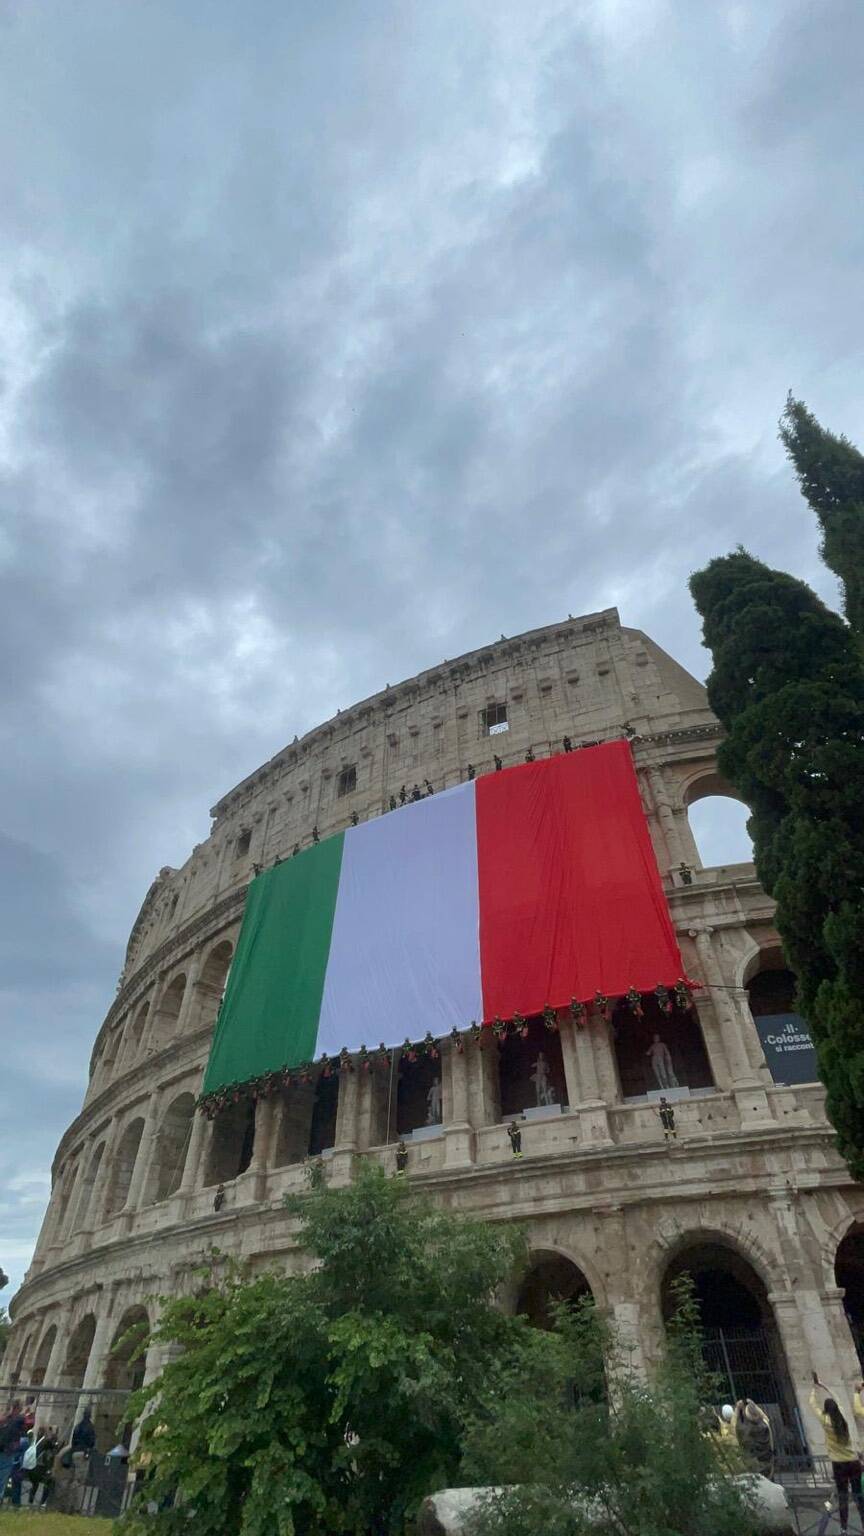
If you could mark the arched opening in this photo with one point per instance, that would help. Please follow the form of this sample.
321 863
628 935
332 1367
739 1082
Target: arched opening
418 1095
784 1036
659 1053
110 1054
85 1202
65 1201
718 822
123 1166
43 1356
741 1345
232 1143
163 1027
124 1371
210 986
169 1156
22 1357
78 1353
549 1280
325 1105
134 1034
531 1072
849 1274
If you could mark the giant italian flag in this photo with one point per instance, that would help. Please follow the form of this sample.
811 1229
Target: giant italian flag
518 890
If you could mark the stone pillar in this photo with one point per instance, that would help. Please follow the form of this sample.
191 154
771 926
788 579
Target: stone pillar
143 1159
199 1141
345 1149
583 1090
666 816
740 998
807 1315
58 1351
97 1361
458 1135
714 1044
262 1152
484 1089
295 1123
750 1095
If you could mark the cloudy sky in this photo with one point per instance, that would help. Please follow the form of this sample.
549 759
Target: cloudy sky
337 338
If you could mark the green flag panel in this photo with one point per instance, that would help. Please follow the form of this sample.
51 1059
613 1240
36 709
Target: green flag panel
269 1016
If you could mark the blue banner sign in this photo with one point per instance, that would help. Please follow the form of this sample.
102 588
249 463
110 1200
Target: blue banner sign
788 1048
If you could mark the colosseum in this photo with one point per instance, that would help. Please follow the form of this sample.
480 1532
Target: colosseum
745 1191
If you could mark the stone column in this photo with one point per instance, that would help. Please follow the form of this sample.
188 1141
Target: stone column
750 1095
345 1149
458 1135
740 998
583 1090
807 1315
97 1361
58 1351
484 1089
199 1141
262 1152
143 1159
665 815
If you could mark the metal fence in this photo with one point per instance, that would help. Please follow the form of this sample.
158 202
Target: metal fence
102 1487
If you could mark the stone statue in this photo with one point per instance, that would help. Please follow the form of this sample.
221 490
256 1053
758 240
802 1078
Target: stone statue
661 1064
433 1103
543 1090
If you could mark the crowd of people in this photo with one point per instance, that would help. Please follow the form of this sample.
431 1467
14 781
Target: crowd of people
37 1461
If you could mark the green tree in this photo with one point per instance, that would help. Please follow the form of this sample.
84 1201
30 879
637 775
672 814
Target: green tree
788 686
643 1463
333 1400
831 475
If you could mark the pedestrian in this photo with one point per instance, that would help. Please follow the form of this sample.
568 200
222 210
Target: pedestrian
755 1435
40 1475
845 1461
11 1431
84 1435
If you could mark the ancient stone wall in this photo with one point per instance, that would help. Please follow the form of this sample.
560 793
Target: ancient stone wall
752 1171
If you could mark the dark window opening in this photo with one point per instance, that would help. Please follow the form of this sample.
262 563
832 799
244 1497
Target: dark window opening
418 1094
771 993
347 781
493 719
233 1142
531 1070
243 844
322 1133
550 1279
643 1066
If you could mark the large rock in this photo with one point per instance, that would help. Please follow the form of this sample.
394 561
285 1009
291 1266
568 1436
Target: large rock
447 1513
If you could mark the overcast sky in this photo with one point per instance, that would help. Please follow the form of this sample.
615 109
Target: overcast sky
338 338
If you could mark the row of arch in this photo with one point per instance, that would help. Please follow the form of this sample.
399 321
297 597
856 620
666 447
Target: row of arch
98 1186
154 1025
741 1341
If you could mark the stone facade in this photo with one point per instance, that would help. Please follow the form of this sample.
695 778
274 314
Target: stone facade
752 1174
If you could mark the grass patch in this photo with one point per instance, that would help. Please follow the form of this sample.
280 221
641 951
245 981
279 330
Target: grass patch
34 1523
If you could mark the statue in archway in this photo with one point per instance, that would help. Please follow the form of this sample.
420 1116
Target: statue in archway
544 1093
433 1103
660 1057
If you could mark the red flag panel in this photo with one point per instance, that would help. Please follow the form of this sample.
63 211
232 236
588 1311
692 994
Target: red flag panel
571 901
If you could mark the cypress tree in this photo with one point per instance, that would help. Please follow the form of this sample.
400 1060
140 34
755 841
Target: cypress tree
788 686
830 472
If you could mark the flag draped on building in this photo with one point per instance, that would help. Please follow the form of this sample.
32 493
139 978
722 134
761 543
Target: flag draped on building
519 890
